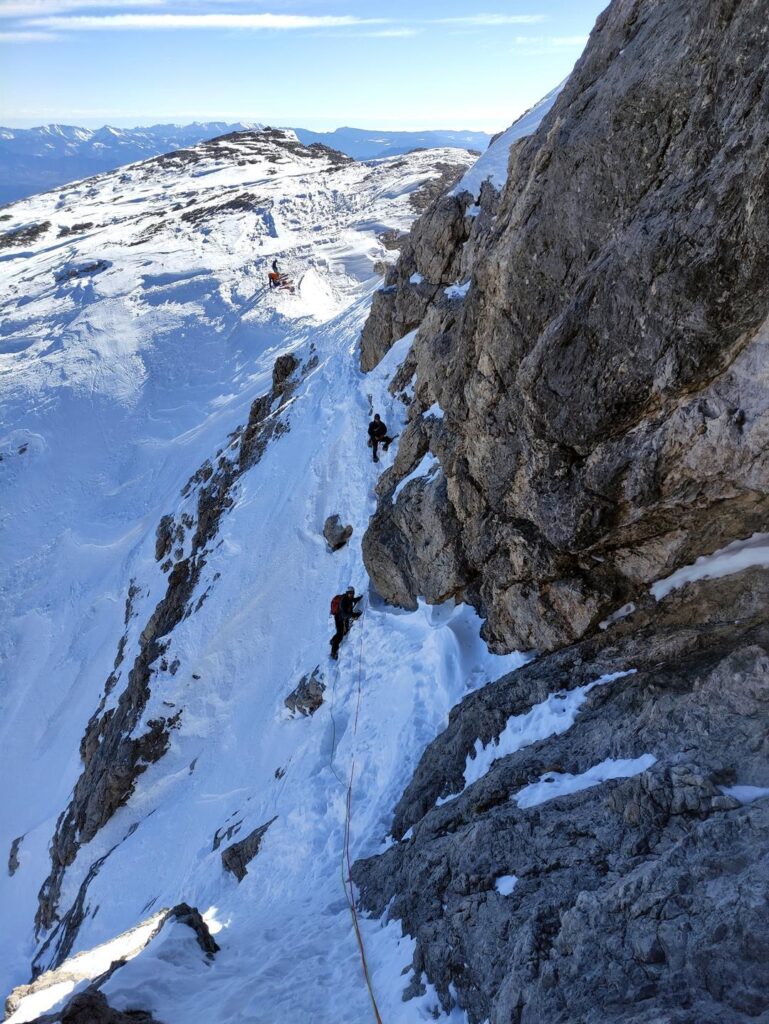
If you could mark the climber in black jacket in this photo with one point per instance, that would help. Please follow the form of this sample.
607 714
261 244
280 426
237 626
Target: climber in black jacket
343 610
377 434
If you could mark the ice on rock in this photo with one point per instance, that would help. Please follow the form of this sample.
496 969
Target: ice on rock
505 884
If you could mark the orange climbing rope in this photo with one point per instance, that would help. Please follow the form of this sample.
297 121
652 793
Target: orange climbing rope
346 866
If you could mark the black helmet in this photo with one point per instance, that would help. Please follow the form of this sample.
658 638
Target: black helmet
351 590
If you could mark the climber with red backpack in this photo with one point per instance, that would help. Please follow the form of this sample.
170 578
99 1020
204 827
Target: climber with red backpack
343 610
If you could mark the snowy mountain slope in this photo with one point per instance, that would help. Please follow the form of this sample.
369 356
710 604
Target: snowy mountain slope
38 159
137 335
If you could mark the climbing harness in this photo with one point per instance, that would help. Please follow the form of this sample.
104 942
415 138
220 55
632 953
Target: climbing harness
345 863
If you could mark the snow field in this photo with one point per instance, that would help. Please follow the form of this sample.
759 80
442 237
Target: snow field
127 380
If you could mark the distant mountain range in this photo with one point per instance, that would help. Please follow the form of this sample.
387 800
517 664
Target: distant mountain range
367 145
38 159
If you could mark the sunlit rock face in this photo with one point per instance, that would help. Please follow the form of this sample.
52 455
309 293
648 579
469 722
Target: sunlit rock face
602 365
586 463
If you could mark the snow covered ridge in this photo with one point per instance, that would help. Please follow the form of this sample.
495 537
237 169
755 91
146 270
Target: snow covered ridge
38 159
492 165
175 434
31 1000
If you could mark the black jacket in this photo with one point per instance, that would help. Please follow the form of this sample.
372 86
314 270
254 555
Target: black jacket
377 430
275 267
347 604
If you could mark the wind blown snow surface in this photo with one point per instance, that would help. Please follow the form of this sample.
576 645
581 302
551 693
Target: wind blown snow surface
118 382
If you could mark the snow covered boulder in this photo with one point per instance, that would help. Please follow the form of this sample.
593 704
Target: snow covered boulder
308 695
87 268
336 535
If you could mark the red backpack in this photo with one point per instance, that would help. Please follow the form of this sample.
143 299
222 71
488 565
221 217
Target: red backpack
336 604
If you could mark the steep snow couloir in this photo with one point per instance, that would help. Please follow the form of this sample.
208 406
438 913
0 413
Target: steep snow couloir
175 435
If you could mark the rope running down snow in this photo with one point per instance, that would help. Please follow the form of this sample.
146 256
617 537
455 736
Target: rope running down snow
345 864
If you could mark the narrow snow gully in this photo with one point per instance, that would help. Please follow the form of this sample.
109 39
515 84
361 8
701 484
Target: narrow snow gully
242 811
237 760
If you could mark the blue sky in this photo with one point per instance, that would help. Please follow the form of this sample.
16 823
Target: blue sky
309 63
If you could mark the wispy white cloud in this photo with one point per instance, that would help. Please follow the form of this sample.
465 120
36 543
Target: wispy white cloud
494 19
252 22
45 8
28 37
390 33
550 41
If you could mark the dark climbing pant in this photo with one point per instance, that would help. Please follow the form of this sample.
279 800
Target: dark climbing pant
376 441
343 624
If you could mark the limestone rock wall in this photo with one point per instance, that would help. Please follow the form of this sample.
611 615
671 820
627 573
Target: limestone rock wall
588 394
634 900
604 379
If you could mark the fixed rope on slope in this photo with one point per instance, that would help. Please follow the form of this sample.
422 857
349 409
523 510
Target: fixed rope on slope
345 864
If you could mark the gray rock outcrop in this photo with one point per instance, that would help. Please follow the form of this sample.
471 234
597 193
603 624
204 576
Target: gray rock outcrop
91 1007
307 696
13 856
237 857
635 900
335 533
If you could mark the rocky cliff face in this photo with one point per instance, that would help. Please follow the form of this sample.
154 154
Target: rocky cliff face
609 871
603 380
588 408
